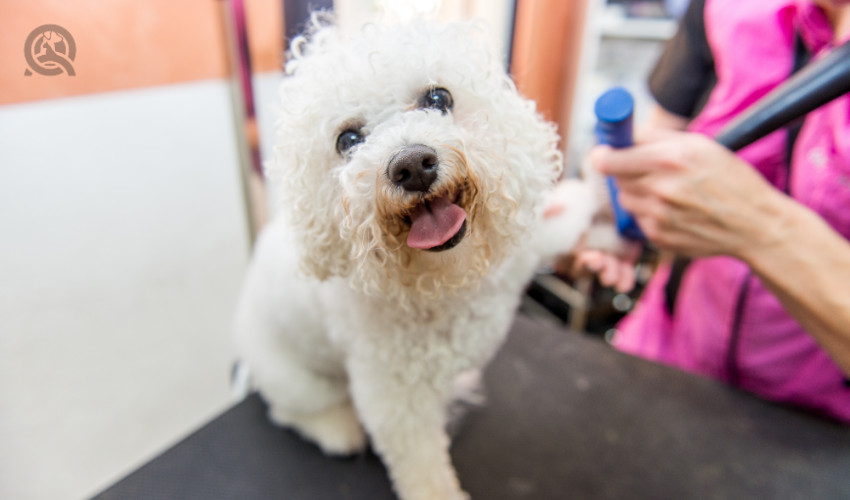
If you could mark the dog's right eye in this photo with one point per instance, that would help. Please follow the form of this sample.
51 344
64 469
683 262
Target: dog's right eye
348 140
437 98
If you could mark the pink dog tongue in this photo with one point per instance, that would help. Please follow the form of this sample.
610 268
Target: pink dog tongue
434 223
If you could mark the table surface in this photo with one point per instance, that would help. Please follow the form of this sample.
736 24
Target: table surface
566 416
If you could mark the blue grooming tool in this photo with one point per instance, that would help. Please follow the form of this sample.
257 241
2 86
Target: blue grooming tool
614 111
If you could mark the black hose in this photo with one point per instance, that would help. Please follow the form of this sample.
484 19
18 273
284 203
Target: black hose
813 86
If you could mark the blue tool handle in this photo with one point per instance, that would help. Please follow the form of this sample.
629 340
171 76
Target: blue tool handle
614 111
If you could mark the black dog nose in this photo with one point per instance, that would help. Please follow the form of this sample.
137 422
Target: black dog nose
414 168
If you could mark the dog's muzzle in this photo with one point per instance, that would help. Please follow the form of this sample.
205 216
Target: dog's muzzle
437 222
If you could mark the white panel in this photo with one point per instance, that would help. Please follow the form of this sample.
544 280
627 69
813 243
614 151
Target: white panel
122 246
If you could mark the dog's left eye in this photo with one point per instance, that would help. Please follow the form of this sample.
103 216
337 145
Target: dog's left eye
437 98
348 140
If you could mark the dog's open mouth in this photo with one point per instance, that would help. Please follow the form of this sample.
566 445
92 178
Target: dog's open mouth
437 224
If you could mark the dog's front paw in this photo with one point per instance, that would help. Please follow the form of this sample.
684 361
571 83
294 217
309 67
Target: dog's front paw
433 484
462 495
454 495
336 430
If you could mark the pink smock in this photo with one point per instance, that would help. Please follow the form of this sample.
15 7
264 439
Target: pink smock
726 324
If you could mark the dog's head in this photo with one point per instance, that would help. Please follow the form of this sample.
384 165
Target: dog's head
406 158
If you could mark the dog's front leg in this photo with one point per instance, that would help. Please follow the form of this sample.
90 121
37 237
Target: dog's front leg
403 410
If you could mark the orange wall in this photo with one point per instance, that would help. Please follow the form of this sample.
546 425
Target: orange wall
546 54
131 43
136 43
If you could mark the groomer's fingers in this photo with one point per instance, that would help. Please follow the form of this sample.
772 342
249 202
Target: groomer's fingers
635 186
627 280
641 205
617 273
627 162
611 270
588 260
668 151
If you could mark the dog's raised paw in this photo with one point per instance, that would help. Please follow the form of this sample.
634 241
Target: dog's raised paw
336 430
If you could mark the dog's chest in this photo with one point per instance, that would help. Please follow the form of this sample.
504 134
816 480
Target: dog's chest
461 331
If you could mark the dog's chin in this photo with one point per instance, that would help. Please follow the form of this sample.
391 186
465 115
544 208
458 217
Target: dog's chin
452 242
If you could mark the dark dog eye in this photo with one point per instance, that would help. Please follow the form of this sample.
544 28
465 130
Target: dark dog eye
348 140
437 98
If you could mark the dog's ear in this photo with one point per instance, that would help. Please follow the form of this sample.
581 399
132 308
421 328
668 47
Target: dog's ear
305 195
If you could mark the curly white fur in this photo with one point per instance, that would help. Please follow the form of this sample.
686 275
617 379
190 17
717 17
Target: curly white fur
341 322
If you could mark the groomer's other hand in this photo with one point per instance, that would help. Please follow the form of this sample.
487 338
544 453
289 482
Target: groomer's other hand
692 196
615 269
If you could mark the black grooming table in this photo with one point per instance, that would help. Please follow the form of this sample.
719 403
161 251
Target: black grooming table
567 417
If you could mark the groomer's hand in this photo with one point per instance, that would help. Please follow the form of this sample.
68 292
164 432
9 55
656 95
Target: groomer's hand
615 270
692 196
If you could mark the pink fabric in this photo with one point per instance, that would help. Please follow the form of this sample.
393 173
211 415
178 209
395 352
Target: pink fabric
774 357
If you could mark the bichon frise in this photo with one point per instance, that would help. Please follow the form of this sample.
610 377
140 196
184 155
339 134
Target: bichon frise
410 173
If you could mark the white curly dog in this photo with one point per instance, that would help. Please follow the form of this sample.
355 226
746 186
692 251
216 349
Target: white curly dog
411 175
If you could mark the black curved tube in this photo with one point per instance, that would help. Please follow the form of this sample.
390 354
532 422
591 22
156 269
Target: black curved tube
813 86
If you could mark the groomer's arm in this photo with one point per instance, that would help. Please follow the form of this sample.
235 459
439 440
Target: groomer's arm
807 266
692 196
